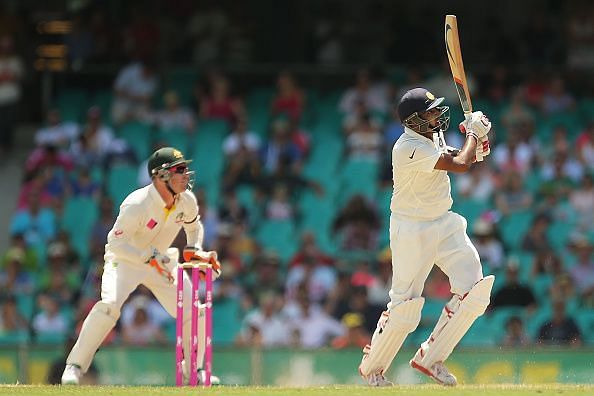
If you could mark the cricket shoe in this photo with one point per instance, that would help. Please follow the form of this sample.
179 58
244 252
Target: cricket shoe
214 380
437 372
377 379
71 375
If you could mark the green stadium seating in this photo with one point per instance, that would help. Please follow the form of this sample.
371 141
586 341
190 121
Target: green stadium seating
278 235
80 215
72 104
514 226
139 136
121 180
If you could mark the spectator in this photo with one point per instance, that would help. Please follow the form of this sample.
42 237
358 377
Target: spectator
357 225
364 90
289 99
560 329
585 146
57 133
437 286
241 138
515 335
279 206
280 146
512 196
83 185
134 89
50 320
356 336
48 156
581 199
478 184
141 331
513 293
232 211
364 142
314 328
487 243
13 277
265 326
582 273
318 278
380 289
18 248
173 117
96 141
556 99
299 137
309 249
357 301
12 72
264 275
11 320
537 239
517 116
219 103
546 262
37 224
514 154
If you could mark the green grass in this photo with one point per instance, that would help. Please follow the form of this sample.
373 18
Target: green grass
413 390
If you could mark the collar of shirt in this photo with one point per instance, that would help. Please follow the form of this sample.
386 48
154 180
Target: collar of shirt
414 134
159 201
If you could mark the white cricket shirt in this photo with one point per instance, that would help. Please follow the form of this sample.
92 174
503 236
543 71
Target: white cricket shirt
144 223
420 191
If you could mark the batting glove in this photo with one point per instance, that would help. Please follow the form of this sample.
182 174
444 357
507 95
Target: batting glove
477 124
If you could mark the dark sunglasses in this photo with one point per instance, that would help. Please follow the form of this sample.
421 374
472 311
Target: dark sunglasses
181 169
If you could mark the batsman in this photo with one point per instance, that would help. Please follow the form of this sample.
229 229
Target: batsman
138 252
423 232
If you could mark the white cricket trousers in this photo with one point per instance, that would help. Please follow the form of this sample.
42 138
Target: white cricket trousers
118 281
417 245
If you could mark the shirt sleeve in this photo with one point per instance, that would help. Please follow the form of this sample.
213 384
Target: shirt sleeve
192 224
415 156
127 224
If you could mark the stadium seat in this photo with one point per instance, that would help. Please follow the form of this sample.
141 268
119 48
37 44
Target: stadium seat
514 226
279 236
121 181
80 215
139 136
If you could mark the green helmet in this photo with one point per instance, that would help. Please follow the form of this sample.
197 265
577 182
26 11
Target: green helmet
165 158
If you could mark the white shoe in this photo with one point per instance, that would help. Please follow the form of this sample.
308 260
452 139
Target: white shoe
437 372
71 375
378 380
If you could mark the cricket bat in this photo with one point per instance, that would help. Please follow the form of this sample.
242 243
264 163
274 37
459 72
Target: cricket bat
454 53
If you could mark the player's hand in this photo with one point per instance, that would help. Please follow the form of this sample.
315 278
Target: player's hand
477 123
159 262
193 254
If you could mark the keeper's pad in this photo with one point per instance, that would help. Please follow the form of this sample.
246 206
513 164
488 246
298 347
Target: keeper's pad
455 322
392 328
95 328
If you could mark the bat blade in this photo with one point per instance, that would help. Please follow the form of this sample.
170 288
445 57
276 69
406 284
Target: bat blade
454 53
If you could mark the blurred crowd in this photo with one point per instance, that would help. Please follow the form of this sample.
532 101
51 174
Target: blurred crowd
294 187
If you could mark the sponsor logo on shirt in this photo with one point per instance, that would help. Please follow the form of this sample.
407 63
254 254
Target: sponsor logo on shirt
179 218
151 224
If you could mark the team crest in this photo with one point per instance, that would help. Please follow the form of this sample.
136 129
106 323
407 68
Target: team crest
430 96
180 217
177 154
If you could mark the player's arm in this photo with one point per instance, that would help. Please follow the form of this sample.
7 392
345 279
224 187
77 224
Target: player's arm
127 224
476 128
461 162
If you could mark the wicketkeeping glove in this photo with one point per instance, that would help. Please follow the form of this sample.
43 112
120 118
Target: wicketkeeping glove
159 262
192 254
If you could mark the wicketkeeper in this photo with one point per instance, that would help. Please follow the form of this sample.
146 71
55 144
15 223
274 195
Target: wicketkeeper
138 252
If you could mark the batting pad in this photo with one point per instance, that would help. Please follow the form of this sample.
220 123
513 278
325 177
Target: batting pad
392 328
442 342
95 328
